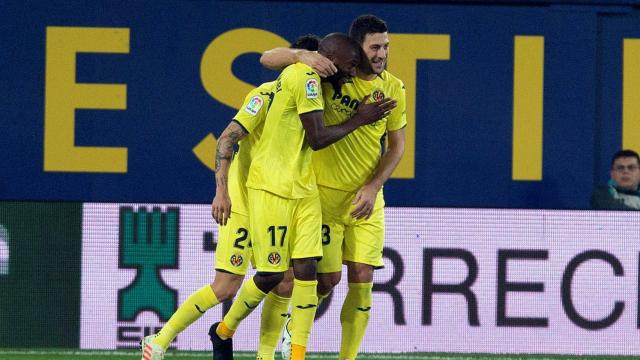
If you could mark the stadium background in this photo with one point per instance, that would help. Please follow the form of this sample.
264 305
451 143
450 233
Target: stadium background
113 106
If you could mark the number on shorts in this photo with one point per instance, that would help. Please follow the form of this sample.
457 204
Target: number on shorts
326 234
283 233
244 233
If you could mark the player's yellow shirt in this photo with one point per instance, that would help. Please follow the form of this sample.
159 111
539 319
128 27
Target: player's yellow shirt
282 161
251 116
349 163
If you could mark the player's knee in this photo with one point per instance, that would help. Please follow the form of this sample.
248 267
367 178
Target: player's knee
227 288
284 288
305 269
267 281
326 282
359 273
224 294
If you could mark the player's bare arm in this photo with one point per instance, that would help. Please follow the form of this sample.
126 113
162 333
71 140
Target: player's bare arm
221 204
365 198
279 58
319 136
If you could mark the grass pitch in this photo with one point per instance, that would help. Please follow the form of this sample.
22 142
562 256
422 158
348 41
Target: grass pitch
68 354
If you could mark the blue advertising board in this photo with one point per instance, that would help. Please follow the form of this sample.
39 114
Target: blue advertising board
508 106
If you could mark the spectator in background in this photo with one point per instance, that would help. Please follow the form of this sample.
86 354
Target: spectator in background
622 191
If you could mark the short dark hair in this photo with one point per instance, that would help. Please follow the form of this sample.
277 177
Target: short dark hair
366 24
308 42
624 154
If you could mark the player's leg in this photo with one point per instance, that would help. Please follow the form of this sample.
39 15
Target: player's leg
335 205
326 283
231 266
354 316
197 304
271 257
330 267
304 303
306 248
251 294
362 253
329 274
275 311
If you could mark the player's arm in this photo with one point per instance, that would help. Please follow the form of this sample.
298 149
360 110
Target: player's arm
221 204
279 58
365 198
319 136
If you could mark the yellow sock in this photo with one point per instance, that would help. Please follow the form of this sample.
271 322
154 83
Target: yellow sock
298 352
304 303
191 310
321 298
274 314
354 318
247 300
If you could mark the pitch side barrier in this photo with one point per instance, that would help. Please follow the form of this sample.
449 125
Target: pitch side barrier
455 280
503 280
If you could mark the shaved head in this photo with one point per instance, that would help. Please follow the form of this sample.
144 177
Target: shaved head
339 44
345 53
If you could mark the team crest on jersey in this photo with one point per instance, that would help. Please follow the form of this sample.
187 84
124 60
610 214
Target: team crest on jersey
274 258
236 260
312 89
254 105
377 95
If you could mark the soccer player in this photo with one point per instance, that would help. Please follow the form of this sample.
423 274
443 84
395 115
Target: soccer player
233 251
350 175
284 207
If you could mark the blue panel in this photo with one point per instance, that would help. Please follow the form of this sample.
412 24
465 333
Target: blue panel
463 105
614 29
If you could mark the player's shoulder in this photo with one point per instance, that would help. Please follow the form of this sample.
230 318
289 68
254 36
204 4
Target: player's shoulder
262 90
265 87
299 69
296 75
300 76
391 80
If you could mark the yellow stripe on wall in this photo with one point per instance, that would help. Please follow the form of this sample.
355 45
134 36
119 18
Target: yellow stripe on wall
528 82
631 94
407 50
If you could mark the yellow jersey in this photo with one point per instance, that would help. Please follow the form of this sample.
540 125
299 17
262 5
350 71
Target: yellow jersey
282 161
251 117
349 163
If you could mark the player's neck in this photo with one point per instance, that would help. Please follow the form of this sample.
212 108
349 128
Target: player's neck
364 76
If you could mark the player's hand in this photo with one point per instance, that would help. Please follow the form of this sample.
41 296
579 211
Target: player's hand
364 202
221 208
318 62
370 112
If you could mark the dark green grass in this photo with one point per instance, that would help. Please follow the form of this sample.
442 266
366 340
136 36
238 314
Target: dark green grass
67 354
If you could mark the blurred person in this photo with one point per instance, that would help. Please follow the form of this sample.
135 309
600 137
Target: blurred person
284 206
622 191
233 251
350 176
276 303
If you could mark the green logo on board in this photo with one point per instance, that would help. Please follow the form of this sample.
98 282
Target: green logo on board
148 243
